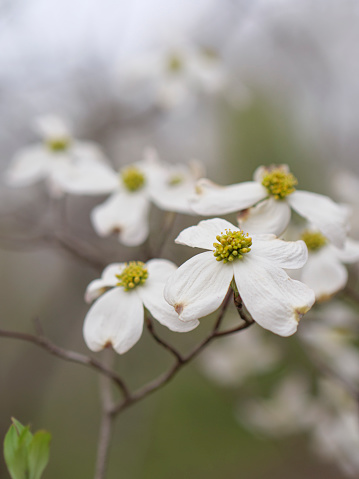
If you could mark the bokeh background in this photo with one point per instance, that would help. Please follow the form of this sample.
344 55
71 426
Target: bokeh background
293 98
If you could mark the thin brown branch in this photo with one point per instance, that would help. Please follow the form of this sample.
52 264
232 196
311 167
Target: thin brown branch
160 341
67 355
171 373
107 419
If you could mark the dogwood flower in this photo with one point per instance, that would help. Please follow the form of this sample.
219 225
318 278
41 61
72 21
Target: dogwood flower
232 360
172 76
126 211
266 203
256 264
331 333
176 186
121 294
289 409
59 159
324 271
336 432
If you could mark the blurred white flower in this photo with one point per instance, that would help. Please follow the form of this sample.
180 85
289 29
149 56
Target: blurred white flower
324 271
346 188
289 409
267 203
331 333
233 359
335 433
256 263
126 210
176 186
116 318
173 75
59 159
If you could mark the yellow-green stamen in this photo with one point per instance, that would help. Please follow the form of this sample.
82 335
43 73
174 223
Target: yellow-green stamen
174 63
134 274
231 245
314 240
279 183
132 178
58 144
175 180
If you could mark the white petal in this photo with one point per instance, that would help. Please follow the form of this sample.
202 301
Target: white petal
269 216
116 318
151 294
199 286
324 274
52 126
212 199
29 165
275 301
350 252
83 178
329 217
107 280
125 213
285 254
204 234
160 269
174 198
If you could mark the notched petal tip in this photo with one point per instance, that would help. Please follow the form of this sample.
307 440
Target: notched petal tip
300 312
178 308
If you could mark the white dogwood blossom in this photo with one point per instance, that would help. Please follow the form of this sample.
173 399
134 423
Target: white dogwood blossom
176 186
121 294
330 334
232 360
173 75
324 271
335 434
59 159
256 264
289 409
266 203
126 211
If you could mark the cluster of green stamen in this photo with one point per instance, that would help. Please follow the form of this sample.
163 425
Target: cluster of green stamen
133 178
174 63
58 144
134 274
279 183
232 245
314 240
175 180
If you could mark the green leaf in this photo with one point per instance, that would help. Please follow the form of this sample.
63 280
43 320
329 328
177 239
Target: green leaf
39 451
16 445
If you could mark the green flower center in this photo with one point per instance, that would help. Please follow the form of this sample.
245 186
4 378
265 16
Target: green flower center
133 178
232 245
175 180
174 63
314 240
279 183
133 275
58 144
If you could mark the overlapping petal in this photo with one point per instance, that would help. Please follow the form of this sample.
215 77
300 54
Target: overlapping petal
324 273
284 254
326 215
107 280
204 234
212 199
268 216
275 301
198 287
116 319
30 165
350 252
125 213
